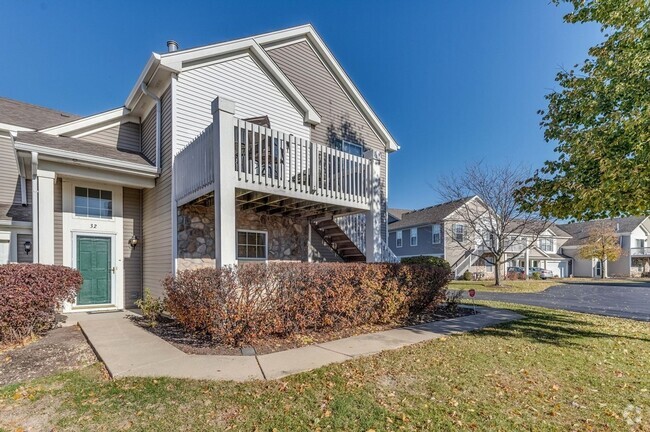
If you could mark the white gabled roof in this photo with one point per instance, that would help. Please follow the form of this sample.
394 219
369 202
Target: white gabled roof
177 61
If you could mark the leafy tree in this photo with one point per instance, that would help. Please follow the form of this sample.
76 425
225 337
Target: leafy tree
600 119
602 244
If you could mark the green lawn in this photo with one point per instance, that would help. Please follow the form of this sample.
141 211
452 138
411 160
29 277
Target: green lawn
519 286
552 371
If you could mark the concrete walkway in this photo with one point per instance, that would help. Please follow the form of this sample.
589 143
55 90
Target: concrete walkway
130 351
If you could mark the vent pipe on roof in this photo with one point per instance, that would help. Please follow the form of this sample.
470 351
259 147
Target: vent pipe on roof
172 46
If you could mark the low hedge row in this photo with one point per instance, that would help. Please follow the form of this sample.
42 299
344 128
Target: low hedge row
241 304
30 295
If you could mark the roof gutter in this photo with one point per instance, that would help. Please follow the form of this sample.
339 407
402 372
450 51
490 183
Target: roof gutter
156 99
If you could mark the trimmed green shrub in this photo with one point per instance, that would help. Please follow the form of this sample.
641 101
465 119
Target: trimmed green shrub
241 304
430 260
467 275
30 295
536 275
151 307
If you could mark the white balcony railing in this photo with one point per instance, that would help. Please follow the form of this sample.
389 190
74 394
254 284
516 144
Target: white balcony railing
640 251
275 162
278 161
354 226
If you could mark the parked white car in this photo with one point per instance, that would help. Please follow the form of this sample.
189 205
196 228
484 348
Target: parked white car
543 273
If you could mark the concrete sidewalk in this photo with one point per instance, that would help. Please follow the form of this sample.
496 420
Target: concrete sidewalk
130 351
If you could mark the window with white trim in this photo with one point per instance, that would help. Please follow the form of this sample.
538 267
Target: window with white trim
414 236
251 245
398 239
459 232
93 203
435 234
546 244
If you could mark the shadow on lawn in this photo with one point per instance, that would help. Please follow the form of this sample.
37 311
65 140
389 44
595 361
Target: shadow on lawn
556 329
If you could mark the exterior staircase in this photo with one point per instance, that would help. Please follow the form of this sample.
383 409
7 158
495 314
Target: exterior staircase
338 240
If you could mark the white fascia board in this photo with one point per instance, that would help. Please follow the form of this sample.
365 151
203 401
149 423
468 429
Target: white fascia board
189 58
102 127
14 128
149 69
310 33
85 159
87 122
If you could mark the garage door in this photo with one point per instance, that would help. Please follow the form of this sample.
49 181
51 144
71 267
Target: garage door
559 268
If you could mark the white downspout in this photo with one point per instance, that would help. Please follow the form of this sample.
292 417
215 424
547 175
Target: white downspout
35 242
156 99
21 171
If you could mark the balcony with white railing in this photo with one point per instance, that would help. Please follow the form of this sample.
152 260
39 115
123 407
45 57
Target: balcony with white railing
274 162
640 251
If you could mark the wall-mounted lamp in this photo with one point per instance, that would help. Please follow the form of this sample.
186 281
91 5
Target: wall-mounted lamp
28 247
133 241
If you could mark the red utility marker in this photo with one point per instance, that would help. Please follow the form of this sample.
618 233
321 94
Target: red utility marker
472 292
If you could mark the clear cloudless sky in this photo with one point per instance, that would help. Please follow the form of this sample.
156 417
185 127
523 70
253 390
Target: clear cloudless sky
454 81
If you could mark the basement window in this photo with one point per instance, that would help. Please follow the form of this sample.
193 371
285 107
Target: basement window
251 245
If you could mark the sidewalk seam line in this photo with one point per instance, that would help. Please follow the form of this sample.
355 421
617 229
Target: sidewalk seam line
334 351
260 366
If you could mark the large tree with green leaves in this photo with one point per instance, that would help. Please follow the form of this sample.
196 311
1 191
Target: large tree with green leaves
600 119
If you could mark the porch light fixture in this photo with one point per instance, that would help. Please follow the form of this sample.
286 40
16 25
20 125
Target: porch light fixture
28 247
133 241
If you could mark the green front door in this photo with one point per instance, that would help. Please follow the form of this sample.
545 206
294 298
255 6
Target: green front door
94 263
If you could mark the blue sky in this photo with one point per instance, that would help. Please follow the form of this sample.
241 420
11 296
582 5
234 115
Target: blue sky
454 81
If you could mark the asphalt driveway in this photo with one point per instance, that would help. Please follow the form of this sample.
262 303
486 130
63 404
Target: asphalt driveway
618 300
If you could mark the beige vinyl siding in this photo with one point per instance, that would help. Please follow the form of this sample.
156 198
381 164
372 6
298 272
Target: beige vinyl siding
148 129
58 223
242 81
339 116
22 256
125 136
132 217
156 206
10 195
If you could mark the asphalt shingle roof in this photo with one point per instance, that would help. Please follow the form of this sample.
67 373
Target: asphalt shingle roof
81 146
428 215
579 231
31 116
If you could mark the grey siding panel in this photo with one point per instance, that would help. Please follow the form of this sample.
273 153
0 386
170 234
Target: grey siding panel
125 136
58 223
132 211
22 256
321 251
425 244
340 118
156 208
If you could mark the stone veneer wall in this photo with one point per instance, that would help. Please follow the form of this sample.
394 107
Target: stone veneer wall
287 237
195 236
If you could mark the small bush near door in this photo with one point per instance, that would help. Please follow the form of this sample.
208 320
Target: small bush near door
30 295
241 304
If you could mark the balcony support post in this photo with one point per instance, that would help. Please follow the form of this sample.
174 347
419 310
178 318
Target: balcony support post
223 111
526 257
373 215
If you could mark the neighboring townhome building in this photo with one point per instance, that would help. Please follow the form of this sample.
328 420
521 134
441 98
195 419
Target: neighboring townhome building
423 232
257 149
439 231
633 233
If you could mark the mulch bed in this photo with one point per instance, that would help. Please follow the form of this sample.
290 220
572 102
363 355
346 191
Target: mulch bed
190 343
60 350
